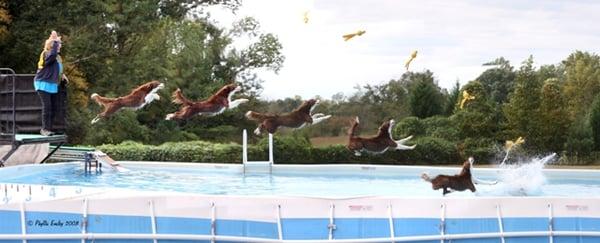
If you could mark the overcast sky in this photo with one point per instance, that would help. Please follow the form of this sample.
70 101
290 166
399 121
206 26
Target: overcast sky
453 38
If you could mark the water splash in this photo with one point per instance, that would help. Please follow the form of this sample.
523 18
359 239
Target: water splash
524 178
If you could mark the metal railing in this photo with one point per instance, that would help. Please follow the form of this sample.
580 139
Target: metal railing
247 164
7 121
442 236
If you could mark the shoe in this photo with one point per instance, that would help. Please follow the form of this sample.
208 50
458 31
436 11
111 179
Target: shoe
45 132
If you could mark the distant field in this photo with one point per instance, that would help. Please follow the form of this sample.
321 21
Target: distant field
326 141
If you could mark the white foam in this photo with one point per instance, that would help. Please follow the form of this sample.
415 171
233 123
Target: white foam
525 178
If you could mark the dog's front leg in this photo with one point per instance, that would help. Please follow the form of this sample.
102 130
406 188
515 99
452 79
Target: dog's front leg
482 182
257 130
236 103
319 117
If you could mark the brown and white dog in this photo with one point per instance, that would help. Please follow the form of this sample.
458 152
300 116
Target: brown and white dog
460 182
297 118
214 105
136 99
377 144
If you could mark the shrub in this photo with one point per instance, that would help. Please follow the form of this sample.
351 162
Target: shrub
434 151
409 126
482 149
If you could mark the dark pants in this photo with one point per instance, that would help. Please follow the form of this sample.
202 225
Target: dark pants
50 106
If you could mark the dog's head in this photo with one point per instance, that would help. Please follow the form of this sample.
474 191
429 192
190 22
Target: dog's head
152 85
386 127
469 163
229 90
308 106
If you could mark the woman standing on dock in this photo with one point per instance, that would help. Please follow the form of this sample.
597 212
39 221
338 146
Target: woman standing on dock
47 80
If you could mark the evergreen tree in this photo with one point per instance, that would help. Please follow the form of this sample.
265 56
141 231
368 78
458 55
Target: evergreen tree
595 122
554 121
499 80
522 109
453 99
425 97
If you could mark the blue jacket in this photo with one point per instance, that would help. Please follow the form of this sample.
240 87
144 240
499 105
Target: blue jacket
48 70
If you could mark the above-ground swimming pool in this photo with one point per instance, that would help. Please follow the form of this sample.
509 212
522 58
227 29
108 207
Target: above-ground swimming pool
314 181
183 202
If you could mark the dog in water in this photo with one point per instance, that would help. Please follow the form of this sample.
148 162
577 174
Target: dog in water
298 118
214 105
136 99
377 144
460 182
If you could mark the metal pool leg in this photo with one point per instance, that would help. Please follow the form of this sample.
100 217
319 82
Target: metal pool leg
52 152
23 227
153 221
84 220
391 222
550 223
13 149
500 226
331 226
443 223
279 231
212 222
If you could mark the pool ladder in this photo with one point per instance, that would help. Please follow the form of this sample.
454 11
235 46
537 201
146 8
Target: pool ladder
256 166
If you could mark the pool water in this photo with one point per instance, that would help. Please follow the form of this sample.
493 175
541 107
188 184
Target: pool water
511 182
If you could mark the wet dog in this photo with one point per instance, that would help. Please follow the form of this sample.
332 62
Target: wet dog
214 105
136 99
460 182
377 144
298 118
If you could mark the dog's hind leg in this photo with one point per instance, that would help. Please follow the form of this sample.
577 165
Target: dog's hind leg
319 117
483 182
236 103
96 119
400 146
402 141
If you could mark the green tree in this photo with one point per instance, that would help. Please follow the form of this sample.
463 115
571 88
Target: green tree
425 96
582 84
476 119
522 109
554 121
453 99
499 80
595 122
5 20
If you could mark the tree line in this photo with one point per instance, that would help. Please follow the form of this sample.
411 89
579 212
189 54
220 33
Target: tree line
111 47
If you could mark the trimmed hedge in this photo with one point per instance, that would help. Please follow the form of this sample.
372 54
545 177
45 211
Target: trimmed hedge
296 150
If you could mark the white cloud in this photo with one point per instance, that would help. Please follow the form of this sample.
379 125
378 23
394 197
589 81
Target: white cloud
453 38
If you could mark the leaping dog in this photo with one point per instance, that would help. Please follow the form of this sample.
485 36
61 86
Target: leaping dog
297 118
377 144
460 182
136 99
214 105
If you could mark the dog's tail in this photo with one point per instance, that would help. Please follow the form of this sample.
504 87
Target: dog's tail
259 117
426 177
178 98
354 127
103 101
